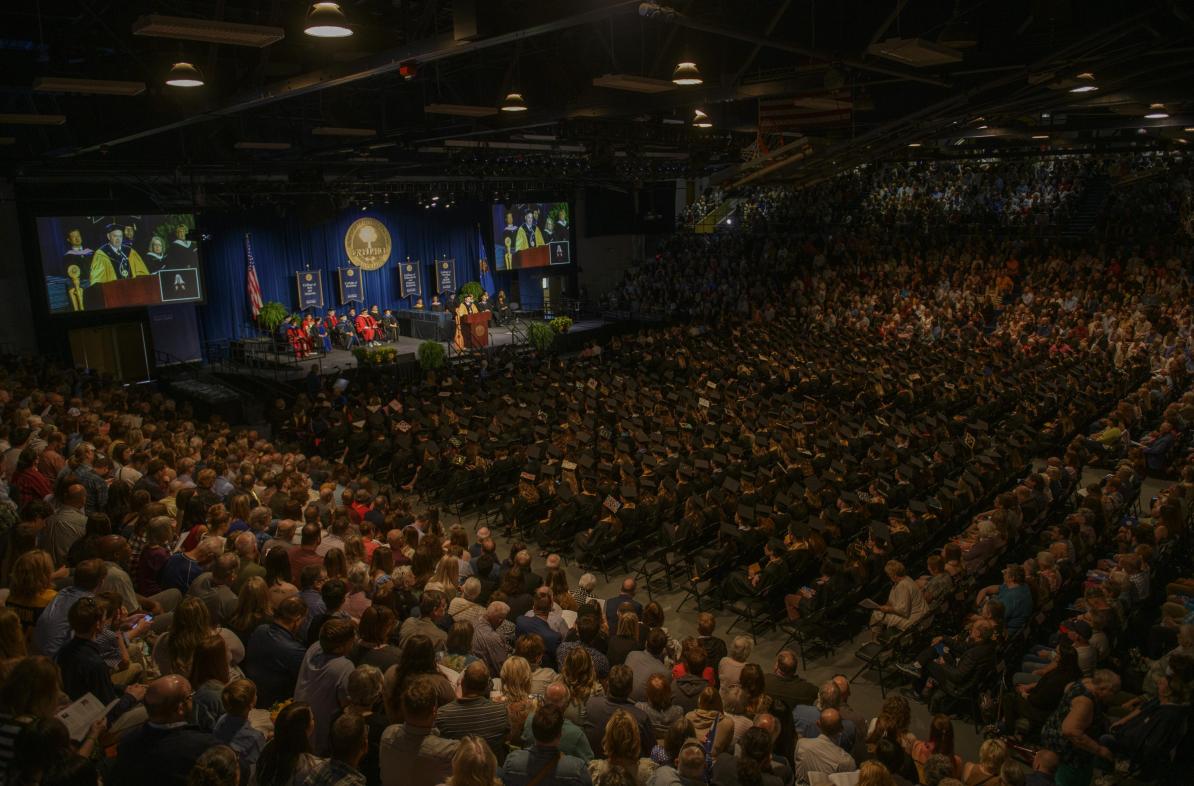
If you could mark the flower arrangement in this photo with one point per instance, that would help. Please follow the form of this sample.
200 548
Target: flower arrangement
375 356
561 324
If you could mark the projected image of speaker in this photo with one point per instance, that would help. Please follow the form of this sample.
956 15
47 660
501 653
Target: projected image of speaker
94 263
532 234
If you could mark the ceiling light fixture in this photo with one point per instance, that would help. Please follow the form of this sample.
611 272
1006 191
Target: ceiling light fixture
701 120
514 103
326 20
1084 89
687 74
914 144
184 75
1040 136
1087 75
1156 116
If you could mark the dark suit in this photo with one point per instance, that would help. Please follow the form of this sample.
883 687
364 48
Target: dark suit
155 756
611 609
525 625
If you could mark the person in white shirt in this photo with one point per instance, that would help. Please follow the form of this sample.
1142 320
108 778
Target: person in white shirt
822 753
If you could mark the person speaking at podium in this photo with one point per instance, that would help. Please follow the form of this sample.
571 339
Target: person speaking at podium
115 261
466 307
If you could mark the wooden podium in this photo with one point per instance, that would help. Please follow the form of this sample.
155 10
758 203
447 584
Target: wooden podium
539 256
474 330
123 293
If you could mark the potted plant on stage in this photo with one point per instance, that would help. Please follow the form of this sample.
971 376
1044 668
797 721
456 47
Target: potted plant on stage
270 316
561 324
541 336
471 288
432 357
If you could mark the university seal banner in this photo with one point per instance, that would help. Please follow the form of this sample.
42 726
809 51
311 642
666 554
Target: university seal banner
445 276
408 279
367 243
352 288
310 289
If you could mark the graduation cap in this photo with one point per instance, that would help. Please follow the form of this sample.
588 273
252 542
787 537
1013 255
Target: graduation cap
731 485
528 476
746 512
880 531
800 529
585 460
548 470
835 554
916 506
628 492
814 484
850 498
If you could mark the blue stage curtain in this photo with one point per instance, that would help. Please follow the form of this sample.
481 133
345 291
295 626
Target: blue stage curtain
284 245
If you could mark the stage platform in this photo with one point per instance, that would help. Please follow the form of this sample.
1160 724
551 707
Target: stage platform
257 358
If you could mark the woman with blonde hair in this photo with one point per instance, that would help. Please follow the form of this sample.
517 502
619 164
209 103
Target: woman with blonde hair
991 755
623 749
446 577
872 773
516 694
253 608
31 587
474 764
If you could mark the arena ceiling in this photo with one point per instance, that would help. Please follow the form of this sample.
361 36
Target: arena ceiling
793 89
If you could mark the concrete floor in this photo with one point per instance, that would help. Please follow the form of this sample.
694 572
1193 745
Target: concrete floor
865 697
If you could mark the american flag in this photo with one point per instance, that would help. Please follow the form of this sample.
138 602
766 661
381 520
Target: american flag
253 285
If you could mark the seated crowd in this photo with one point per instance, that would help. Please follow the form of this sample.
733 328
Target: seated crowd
229 605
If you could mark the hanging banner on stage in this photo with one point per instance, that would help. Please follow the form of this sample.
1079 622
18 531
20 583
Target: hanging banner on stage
367 243
310 289
408 280
352 288
445 276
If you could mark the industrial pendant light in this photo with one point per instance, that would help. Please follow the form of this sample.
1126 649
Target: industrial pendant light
686 74
514 103
701 120
326 20
184 75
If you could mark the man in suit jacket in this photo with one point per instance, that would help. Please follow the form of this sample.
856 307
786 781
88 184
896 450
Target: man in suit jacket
785 684
611 606
162 752
957 661
538 623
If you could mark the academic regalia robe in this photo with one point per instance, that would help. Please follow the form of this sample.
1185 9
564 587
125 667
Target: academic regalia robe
110 264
